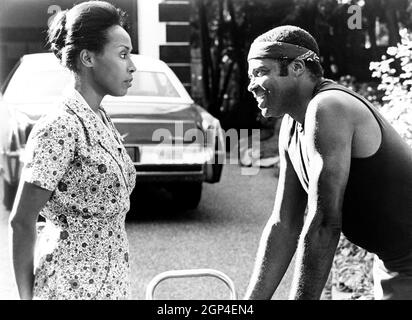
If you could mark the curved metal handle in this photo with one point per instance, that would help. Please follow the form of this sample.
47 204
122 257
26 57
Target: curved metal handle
190 273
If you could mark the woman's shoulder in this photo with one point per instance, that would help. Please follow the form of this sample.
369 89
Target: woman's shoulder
60 119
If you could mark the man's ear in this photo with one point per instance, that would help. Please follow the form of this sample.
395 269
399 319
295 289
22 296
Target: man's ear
86 58
298 67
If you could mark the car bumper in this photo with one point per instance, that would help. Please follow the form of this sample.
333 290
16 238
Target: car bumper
170 173
158 172
169 163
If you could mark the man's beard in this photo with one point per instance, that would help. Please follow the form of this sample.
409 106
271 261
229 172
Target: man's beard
278 105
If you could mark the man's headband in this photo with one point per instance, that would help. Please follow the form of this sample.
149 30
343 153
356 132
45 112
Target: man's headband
280 50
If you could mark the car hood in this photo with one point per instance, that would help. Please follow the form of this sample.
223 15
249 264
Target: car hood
128 109
33 110
152 110
137 122
144 123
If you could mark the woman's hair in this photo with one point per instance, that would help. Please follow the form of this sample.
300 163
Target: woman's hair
82 27
297 36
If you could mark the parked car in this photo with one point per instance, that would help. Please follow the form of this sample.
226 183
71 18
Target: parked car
171 140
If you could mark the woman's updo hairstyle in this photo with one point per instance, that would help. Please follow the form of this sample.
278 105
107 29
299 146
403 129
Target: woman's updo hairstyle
82 27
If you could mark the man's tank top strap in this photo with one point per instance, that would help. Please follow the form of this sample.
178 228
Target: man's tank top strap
328 84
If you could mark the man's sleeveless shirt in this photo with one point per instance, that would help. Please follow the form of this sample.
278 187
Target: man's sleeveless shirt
377 208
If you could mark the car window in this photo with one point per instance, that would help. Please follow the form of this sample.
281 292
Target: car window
149 83
32 84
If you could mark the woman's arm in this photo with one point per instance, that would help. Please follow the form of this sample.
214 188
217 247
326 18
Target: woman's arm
48 153
30 199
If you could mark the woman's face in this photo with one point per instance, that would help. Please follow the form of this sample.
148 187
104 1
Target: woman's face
113 68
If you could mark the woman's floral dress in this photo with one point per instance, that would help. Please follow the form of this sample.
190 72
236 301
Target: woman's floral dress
82 252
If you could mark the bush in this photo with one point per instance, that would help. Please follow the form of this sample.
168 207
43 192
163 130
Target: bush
351 274
395 74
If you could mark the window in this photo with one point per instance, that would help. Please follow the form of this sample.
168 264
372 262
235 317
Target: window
33 84
29 84
155 84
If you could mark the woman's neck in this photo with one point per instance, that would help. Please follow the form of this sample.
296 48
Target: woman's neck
89 94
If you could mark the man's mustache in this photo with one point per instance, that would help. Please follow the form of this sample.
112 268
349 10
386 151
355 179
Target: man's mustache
259 86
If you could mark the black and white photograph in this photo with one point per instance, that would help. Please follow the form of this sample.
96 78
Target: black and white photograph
206 150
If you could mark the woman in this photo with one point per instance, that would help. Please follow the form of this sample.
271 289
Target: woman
78 174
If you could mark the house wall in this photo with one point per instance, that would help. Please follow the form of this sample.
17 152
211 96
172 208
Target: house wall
174 49
159 28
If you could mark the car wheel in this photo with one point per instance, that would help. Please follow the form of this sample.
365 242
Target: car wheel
9 193
187 195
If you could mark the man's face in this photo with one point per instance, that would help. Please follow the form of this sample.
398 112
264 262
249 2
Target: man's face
272 92
113 67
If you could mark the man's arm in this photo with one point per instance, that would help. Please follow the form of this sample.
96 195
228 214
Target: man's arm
329 132
30 199
280 235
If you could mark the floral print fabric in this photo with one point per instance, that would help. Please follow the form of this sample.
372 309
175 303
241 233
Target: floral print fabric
82 252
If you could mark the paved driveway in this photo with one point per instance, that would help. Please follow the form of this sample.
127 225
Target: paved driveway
223 234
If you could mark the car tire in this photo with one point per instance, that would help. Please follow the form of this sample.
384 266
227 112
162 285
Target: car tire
187 195
9 193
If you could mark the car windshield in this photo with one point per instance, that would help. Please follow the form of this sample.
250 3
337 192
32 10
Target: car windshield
27 84
149 83
35 84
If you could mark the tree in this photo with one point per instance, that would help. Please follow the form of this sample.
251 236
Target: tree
224 30
223 57
391 12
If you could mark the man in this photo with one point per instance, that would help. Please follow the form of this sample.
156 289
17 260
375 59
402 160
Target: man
339 158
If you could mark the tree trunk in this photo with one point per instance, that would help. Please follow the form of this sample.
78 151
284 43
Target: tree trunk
393 28
246 114
371 12
205 51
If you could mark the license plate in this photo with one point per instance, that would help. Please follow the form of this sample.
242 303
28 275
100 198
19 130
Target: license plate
170 154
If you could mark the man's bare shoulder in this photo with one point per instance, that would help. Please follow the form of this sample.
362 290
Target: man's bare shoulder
331 110
329 123
337 103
